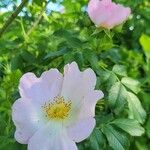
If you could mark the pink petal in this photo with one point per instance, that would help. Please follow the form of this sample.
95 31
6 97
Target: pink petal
72 78
26 120
88 107
76 84
106 13
89 80
42 89
79 88
116 19
81 130
51 138
96 11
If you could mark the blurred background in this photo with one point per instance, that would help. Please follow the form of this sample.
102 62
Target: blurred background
50 34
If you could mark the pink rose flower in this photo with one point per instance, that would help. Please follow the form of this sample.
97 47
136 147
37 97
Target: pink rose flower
55 111
107 14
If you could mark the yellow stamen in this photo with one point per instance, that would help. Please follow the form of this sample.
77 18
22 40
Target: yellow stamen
58 109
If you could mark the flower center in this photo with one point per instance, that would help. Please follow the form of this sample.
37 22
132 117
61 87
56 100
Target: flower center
58 109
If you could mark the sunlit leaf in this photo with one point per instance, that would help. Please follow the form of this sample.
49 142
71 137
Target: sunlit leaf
129 125
132 84
116 139
136 110
117 97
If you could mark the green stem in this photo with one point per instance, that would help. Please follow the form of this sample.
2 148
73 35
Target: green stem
38 19
12 17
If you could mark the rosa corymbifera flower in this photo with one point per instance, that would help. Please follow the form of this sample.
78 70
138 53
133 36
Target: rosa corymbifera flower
107 14
55 111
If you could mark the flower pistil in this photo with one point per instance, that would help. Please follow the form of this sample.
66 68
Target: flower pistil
58 109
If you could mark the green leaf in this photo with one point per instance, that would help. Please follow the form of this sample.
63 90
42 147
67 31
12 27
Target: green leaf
79 58
69 57
74 42
132 84
147 128
70 37
56 53
129 125
16 62
62 33
106 43
145 42
145 98
38 2
28 57
120 70
92 58
97 140
117 140
109 78
117 97
80 146
142 144
136 110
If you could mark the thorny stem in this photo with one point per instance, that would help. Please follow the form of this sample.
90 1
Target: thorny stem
12 17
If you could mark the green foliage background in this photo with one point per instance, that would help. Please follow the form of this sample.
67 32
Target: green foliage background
38 40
